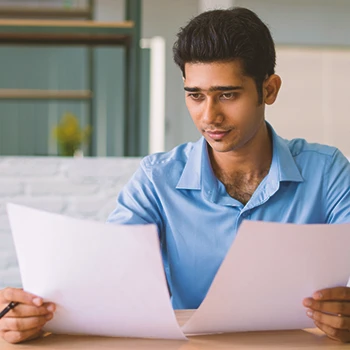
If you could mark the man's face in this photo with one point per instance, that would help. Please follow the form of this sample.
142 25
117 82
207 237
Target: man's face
223 104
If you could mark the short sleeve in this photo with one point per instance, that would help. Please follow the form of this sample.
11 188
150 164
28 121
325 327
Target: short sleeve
137 203
338 189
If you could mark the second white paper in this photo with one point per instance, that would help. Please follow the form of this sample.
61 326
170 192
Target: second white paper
105 279
268 271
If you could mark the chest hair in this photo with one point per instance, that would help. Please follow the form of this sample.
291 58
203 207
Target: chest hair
240 186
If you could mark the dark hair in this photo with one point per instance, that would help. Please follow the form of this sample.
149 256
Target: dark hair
227 35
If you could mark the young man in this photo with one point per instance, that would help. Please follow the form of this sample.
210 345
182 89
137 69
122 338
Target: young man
199 193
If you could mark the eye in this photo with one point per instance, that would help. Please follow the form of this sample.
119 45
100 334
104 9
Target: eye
195 96
228 96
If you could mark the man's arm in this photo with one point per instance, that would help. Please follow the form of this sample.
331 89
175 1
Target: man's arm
338 190
330 308
138 202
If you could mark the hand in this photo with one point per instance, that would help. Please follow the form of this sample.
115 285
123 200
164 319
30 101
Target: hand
26 320
330 311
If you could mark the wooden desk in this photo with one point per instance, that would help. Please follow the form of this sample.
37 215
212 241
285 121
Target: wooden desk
281 340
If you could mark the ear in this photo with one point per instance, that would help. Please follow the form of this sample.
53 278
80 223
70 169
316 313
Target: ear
271 87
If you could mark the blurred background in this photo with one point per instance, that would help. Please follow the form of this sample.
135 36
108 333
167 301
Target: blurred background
97 78
110 87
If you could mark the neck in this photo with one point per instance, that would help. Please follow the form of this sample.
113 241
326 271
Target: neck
253 159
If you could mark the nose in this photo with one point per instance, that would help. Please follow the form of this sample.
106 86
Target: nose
211 112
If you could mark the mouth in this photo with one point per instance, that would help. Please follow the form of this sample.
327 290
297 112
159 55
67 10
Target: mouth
217 135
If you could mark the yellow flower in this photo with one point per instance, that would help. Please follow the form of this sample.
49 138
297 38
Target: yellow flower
70 135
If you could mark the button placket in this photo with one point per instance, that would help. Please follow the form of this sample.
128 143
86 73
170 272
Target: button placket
245 214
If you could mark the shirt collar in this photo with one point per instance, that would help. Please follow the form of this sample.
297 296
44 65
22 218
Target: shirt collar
283 167
191 175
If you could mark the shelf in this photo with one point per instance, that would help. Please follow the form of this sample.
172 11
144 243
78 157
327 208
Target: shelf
30 94
22 12
52 27
50 24
65 32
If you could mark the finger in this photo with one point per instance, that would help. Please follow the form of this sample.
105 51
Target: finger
336 293
19 295
24 323
16 336
338 322
331 307
333 333
23 310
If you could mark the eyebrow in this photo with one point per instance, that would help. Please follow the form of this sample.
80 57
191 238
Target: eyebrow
214 88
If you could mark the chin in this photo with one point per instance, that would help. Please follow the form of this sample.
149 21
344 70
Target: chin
222 145
222 148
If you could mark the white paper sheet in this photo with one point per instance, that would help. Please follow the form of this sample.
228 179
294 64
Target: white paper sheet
105 279
268 271
109 279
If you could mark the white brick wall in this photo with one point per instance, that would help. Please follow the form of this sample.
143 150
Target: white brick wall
77 187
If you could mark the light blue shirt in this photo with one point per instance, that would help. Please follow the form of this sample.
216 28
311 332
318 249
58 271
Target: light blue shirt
197 220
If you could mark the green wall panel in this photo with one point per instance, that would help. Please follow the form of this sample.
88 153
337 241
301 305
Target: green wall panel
26 125
145 100
109 101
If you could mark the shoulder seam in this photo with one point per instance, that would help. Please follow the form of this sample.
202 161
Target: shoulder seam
331 154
